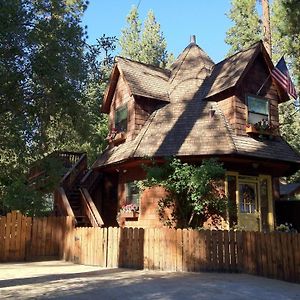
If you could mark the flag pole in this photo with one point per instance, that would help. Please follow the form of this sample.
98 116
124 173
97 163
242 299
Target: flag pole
263 84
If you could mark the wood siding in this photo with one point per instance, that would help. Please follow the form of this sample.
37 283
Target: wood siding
148 215
235 107
121 97
139 108
251 84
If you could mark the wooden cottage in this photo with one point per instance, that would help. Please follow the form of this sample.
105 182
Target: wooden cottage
195 110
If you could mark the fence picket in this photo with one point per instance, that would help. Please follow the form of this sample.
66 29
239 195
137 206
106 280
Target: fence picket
179 247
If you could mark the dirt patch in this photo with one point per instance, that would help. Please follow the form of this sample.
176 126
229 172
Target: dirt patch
61 280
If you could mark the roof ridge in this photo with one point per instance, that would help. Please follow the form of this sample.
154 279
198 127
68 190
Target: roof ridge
172 77
227 126
147 125
142 63
238 52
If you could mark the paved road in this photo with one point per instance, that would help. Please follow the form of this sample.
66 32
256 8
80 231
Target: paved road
61 280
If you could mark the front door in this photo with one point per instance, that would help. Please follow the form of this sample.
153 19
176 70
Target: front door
248 205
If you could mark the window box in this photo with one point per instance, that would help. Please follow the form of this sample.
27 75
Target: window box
251 129
119 138
129 214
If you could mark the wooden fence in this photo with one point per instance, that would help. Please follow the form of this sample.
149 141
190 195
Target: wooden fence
25 238
273 255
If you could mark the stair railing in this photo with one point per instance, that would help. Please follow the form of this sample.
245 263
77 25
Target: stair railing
63 203
79 165
88 205
89 208
78 168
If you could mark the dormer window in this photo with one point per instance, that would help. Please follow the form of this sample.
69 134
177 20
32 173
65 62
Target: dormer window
121 118
258 110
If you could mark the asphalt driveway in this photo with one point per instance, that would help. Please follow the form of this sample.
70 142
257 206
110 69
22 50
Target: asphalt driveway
62 280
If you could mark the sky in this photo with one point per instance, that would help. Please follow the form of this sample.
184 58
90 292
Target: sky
179 19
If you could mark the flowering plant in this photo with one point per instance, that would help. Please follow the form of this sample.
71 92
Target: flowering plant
262 126
112 134
286 227
129 208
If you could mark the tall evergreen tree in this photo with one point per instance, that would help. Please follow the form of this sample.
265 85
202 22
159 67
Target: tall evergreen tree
50 86
286 34
286 41
130 38
246 29
153 43
146 44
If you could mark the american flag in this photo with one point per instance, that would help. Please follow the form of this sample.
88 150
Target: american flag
281 74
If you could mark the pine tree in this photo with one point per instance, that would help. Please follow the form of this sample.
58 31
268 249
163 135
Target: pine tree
286 41
146 45
153 43
286 34
130 38
246 29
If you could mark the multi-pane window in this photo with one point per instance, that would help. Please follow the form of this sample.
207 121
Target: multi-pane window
132 193
248 197
258 110
121 118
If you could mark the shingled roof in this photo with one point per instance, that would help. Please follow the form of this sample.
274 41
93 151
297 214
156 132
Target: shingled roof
227 73
188 73
185 127
142 79
145 80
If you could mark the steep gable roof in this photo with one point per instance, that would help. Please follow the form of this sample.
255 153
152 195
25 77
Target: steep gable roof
229 72
145 80
142 79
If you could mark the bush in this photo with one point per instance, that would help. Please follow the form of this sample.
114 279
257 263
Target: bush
194 193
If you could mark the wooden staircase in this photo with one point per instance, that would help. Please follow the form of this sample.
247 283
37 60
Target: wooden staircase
72 196
77 185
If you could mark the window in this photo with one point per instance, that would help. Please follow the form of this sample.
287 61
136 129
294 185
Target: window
132 193
258 110
247 192
121 118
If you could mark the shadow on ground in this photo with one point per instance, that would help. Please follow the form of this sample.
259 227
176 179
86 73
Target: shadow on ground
138 284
